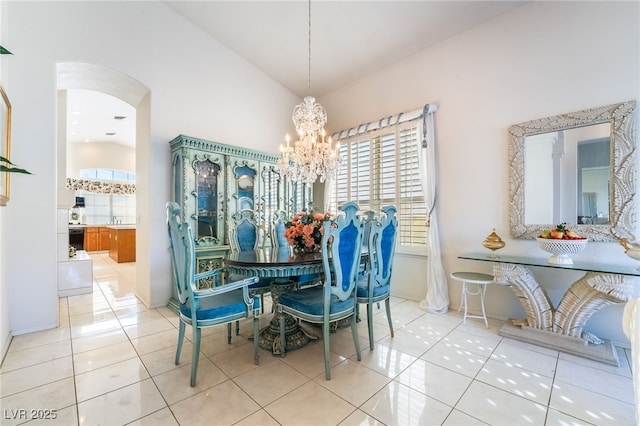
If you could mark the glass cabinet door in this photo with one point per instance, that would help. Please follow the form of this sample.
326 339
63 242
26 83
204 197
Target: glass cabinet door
272 199
208 204
245 188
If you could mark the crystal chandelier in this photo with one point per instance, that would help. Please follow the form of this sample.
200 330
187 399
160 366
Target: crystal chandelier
312 156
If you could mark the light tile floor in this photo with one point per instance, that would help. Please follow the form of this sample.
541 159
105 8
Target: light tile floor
111 363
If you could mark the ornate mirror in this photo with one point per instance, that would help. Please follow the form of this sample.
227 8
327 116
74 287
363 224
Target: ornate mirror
577 168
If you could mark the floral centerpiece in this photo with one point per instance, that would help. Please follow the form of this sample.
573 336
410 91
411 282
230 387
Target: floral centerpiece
304 230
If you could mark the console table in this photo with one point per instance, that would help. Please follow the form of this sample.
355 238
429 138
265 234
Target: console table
561 327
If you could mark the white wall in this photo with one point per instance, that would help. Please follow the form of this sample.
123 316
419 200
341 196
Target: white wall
105 155
5 328
543 59
197 87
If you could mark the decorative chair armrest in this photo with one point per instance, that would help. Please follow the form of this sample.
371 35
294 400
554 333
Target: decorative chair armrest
208 274
226 287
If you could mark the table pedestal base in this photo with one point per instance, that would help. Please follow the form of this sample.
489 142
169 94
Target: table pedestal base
604 352
295 336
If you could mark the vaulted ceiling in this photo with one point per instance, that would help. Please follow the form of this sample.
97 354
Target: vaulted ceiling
349 39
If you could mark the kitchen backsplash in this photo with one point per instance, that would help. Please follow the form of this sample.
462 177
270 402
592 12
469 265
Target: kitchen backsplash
107 208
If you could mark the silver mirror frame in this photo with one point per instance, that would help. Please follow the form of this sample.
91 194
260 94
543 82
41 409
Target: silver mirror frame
623 165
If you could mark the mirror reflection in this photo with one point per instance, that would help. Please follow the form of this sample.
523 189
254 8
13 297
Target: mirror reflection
578 168
567 176
245 179
207 190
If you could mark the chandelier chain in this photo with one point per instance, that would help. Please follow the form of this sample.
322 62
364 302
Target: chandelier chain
312 156
309 78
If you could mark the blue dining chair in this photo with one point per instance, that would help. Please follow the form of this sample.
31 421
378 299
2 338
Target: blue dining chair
221 304
244 232
375 285
278 227
335 300
244 235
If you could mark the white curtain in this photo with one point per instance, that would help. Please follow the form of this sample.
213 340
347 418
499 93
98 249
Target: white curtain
437 297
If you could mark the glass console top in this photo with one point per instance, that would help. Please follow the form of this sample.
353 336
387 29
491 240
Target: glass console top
542 261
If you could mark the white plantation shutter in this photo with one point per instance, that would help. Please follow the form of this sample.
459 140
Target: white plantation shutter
411 207
382 169
360 167
387 176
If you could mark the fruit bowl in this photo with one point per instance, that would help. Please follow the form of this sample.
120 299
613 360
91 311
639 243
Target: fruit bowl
561 249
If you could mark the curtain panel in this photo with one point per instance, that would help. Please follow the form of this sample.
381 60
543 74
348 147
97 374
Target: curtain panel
437 298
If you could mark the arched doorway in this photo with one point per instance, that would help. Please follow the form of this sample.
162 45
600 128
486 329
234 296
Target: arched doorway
83 76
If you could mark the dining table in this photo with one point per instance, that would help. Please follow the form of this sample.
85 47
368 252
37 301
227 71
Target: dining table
283 265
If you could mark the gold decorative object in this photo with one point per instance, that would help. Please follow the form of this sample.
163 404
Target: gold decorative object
493 242
631 249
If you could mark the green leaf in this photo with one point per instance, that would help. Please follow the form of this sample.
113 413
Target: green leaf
4 51
5 160
14 170
8 169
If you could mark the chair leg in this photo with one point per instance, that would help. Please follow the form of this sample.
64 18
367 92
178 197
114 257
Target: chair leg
370 324
229 333
195 357
262 303
325 343
237 328
180 341
483 290
464 302
356 340
387 304
461 298
256 343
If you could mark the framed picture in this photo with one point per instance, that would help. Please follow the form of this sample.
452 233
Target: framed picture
5 143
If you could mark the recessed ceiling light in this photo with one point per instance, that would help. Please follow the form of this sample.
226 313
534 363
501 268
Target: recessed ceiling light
119 117
110 133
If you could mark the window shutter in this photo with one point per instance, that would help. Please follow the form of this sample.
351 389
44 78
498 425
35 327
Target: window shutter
383 170
412 207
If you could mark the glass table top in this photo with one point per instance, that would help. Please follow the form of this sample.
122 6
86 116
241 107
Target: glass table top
542 261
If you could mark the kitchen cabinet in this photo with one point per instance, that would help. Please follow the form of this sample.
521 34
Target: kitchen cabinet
103 238
96 238
91 238
122 243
